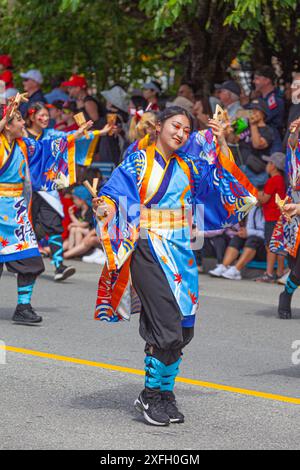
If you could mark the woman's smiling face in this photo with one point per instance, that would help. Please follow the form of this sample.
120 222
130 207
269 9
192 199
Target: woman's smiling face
175 131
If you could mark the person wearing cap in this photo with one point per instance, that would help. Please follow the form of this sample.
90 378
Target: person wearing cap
255 142
229 95
264 79
77 90
274 185
32 81
112 146
57 92
151 92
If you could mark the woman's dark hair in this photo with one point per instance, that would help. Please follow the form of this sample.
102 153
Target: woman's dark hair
205 103
139 102
172 111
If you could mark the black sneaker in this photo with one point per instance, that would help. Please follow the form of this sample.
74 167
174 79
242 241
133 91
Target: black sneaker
26 315
63 272
150 404
284 307
171 409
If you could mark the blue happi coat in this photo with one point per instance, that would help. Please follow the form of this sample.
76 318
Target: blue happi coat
163 197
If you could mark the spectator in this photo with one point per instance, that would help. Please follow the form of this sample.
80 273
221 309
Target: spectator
274 185
250 239
215 244
256 142
151 92
6 71
68 112
56 115
32 81
187 90
202 111
77 89
294 112
82 235
264 79
57 92
137 103
111 147
229 95
182 102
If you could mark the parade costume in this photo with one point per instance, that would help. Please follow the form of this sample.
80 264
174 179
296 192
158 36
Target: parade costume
286 236
155 201
28 165
47 210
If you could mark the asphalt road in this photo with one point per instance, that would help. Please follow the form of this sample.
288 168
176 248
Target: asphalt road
56 404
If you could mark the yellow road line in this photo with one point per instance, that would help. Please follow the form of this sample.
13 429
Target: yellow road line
128 370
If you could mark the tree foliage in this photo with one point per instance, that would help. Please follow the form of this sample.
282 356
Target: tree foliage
124 40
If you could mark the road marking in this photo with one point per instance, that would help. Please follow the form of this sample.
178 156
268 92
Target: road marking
128 370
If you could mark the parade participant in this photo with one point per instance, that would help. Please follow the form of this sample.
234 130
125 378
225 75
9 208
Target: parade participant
286 236
142 131
25 164
47 209
145 220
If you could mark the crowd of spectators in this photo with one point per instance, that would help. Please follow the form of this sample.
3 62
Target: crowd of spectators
256 131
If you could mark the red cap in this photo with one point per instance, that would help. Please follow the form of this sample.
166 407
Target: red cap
5 60
76 80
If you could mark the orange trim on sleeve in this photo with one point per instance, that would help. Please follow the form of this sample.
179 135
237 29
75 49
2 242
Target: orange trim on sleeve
71 159
121 284
92 147
106 239
150 152
232 168
23 148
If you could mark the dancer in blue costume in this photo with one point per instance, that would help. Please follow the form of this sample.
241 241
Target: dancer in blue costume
26 163
145 214
47 210
286 235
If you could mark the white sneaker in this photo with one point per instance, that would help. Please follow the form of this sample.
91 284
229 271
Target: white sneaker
97 257
283 278
232 273
218 271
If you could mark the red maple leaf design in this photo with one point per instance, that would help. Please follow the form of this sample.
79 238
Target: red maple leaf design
21 221
4 242
193 298
19 246
178 278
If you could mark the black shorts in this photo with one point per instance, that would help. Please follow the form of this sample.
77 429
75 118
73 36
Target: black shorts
27 267
253 242
269 229
46 221
160 319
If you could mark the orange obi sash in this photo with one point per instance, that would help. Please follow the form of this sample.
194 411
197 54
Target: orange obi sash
11 189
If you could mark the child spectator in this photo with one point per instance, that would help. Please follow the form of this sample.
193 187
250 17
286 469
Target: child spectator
56 111
68 112
250 239
274 185
82 236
